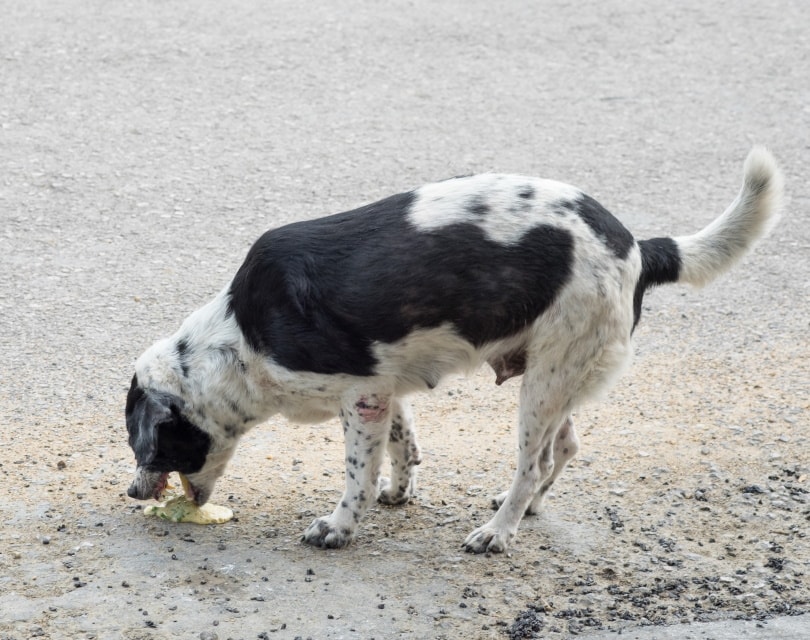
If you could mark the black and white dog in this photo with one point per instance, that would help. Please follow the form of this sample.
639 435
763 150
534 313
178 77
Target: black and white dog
349 314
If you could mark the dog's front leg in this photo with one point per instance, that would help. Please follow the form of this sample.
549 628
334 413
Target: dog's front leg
366 423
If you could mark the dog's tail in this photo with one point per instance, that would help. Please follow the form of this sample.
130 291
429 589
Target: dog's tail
697 259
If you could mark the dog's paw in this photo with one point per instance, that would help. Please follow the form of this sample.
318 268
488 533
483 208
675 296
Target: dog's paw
532 510
393 496
321 533
488 539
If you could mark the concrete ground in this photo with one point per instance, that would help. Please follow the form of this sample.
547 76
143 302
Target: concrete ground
145 144
791 628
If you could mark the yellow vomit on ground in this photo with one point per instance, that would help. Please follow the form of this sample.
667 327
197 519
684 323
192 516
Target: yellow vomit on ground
181 509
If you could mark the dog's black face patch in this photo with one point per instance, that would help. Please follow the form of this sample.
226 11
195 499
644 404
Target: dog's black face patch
160 436
315 295
607 228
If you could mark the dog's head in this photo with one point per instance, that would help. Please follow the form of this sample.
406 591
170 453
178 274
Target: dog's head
165 440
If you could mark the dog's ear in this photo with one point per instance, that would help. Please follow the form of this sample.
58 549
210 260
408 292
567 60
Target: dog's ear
145 411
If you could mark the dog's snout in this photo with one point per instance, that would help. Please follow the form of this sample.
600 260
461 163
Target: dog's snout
135 492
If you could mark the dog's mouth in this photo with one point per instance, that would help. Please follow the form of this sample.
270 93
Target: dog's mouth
160 486
155 484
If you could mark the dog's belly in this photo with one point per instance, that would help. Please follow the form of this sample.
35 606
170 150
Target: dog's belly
420 360
311 412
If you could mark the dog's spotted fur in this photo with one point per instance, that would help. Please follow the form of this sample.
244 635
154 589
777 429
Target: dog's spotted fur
349 314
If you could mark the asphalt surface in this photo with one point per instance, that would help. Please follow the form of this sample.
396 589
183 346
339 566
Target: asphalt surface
145 144
775 629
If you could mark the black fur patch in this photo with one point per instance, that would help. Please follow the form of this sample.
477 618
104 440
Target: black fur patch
527 192
612 232
182 356
134 394
478 207
660 263
160 436
315 295
182 446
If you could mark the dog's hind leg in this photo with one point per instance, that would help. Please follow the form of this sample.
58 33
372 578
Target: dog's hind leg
405 455
565 447
541 419
366 424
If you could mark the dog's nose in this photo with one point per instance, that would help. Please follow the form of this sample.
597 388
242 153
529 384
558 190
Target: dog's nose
132 492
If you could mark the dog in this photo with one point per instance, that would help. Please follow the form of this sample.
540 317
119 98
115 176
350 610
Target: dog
349 314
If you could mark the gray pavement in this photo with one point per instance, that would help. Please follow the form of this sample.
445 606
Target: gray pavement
794 628
145 144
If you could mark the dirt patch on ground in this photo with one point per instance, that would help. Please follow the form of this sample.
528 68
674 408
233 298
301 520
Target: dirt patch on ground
663 519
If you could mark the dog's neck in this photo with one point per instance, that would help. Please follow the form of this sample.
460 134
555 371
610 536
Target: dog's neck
226 386
204 364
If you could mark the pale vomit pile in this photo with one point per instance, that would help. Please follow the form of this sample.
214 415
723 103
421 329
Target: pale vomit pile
179 508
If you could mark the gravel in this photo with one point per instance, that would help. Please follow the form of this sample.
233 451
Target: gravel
144 146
